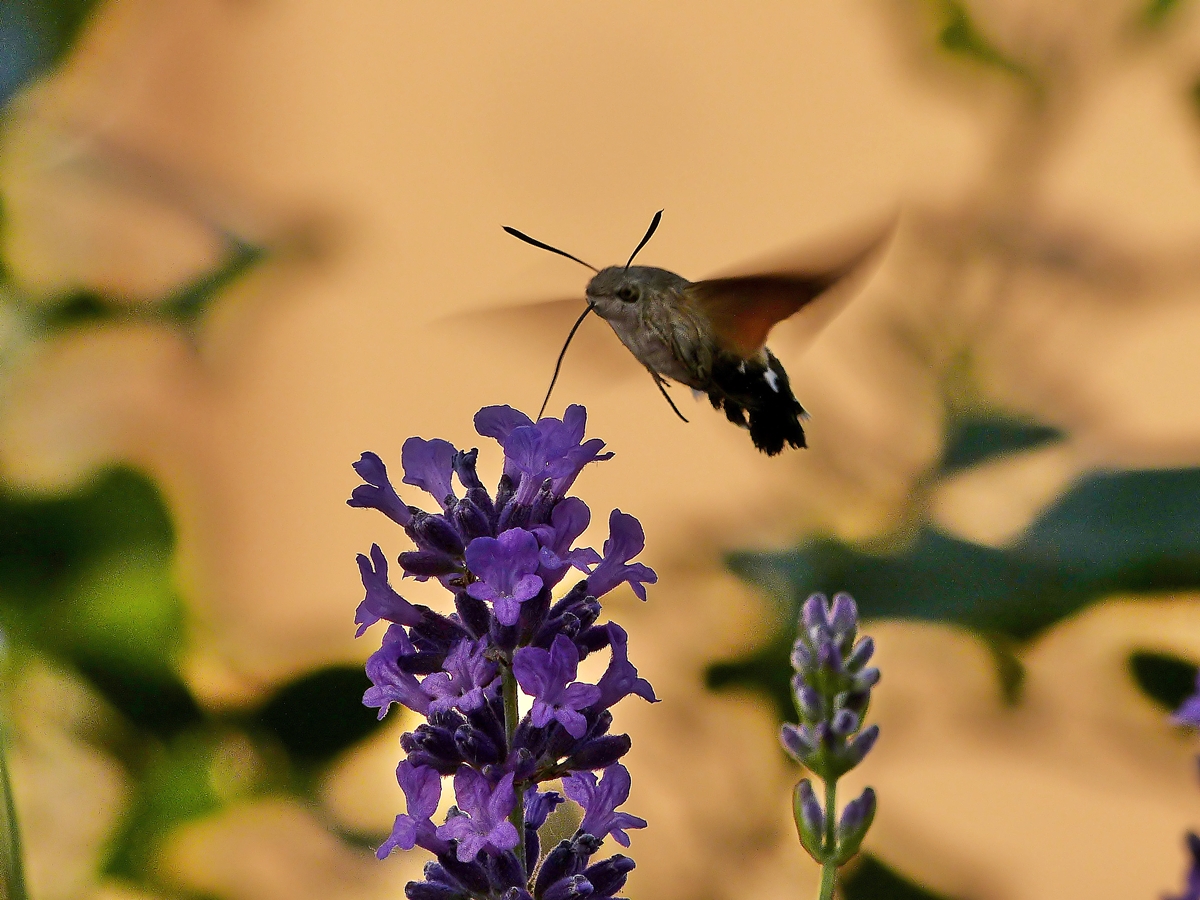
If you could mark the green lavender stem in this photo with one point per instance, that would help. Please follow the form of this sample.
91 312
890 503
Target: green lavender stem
829 867
511 718
13 872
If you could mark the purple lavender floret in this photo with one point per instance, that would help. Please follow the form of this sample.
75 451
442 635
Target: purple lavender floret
484 823
501 555
505 567
381 601
422 788
549 677
1189 711
600 799
832 689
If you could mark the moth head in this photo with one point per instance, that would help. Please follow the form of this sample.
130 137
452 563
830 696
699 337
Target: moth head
618 291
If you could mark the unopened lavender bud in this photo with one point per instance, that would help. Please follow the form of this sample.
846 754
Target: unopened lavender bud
855 701
861 745
599 753
844 723
860 655
852 828
802 657
608 876
567 888
429 564
808 702
435 533
843 616
815 613
828 657
809 817
799 742
424 890
866 679
470 520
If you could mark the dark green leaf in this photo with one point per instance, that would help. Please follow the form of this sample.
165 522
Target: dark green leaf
12 856
190 301
320 714
34 36
971 441
960 36
1117 532
869 879
1167 680
1155 13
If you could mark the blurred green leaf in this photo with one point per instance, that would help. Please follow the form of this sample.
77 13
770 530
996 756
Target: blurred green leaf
970 441
87 577
182 307
960 36
34 36
869 879
1156 12
175 787
189 302
12 857
1165 679
1131 532
320 714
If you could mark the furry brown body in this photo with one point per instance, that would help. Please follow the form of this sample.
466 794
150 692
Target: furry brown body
666 322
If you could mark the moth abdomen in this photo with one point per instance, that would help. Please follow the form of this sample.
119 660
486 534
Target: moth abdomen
757 395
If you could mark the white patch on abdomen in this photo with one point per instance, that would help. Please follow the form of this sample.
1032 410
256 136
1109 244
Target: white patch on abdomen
772 380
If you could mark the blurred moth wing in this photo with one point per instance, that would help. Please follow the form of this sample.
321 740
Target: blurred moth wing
742 309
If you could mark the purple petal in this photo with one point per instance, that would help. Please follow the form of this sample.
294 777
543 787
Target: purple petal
499 421
388 684
422 788
381 601
531 667
429 465
626 540
572 722
621 679
378 492
403 836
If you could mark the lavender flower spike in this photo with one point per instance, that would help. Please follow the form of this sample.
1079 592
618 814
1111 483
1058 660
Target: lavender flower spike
832 689
501 555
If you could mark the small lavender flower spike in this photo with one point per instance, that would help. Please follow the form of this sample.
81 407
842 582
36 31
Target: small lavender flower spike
832 689
501 556
1188 715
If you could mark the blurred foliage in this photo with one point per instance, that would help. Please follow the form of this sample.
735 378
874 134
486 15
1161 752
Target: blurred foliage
869 879
1167 680
85 580
1124 532
958 35
1155 13
34 36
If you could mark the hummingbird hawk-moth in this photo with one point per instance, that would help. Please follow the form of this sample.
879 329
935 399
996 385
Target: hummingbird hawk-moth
709 335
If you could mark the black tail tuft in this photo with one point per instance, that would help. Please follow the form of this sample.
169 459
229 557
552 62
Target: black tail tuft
759 397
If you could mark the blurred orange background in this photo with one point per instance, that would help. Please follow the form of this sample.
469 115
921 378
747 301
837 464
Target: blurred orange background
1048 203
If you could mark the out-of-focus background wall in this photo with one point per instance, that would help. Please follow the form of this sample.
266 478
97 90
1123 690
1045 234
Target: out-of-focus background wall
244 240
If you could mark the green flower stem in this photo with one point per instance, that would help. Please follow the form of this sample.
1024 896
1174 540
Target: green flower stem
829 867
12 867
508 683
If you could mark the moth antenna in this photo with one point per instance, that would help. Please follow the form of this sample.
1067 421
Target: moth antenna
521 236
662 390
649 234
561 354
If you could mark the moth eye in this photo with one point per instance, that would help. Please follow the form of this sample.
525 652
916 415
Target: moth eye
629 293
